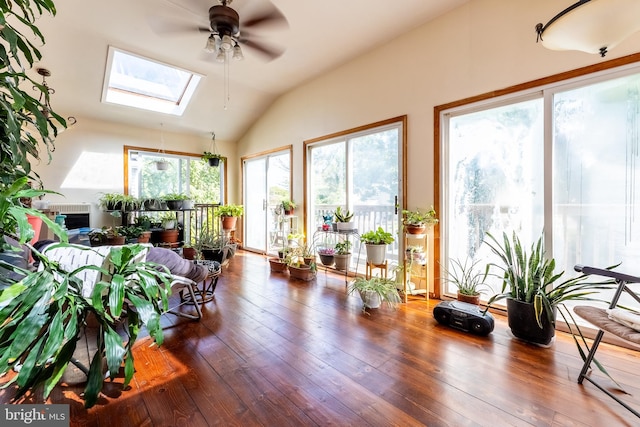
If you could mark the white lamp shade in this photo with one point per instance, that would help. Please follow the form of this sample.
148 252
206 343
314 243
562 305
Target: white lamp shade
593 26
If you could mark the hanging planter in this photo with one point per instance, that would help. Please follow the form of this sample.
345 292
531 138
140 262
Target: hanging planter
212 156
162 165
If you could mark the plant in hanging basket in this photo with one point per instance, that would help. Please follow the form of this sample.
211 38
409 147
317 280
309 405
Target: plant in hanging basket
212 158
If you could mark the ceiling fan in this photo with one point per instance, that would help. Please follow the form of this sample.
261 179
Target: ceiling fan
227 32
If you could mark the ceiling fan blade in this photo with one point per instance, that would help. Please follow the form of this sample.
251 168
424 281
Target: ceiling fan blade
265 51
163 26
269 16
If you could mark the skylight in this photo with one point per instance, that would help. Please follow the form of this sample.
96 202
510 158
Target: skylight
139 82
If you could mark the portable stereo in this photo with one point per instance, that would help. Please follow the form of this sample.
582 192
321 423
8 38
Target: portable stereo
464 316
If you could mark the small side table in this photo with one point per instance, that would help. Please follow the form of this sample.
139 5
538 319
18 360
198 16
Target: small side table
370 266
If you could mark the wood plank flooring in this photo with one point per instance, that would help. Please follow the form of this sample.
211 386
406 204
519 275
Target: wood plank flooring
277 352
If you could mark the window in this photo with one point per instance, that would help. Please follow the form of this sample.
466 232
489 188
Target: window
574 175
185 173
139 82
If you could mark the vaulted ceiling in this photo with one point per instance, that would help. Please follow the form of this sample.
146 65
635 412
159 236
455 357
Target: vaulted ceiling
320 36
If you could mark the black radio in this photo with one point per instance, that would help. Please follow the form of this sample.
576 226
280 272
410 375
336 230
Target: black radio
464 316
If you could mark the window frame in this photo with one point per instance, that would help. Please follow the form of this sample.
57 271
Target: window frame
128 148
547 87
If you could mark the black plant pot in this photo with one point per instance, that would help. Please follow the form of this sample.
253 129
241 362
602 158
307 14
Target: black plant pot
174 205
214 161
523 323
213 254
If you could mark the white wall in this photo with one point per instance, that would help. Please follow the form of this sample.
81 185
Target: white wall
88 160
483 46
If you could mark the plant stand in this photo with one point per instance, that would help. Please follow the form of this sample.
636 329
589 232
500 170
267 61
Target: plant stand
418 269
371 266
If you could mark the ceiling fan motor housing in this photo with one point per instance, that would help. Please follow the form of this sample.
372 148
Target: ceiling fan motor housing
224 20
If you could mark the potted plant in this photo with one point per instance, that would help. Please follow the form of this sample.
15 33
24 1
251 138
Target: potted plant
376 242
229 215
307 255
169 232
212 158
278 265
467 279
135 234
118 202
153 204
175 201
326 256
532 288
54 297
415 222
343 219
288 206
302 271
375 291
342 255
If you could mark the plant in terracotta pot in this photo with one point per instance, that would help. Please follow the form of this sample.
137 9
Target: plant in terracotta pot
229 215
376 242
415 222
468 279
288 206
533 289
302 271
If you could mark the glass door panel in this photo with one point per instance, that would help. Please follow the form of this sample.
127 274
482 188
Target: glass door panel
494 177
255 192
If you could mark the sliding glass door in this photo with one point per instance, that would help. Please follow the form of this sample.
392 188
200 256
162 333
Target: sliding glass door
358 171
563 161
267 182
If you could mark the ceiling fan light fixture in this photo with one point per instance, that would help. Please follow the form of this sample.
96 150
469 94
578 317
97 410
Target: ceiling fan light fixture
221 56
237 52
592 26
227 42
211 44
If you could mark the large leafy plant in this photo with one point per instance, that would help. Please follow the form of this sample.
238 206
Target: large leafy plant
26 122
530 277
41 318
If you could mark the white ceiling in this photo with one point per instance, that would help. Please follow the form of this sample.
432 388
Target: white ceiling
321 35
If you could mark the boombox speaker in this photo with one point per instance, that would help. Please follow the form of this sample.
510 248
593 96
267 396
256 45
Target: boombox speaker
464 316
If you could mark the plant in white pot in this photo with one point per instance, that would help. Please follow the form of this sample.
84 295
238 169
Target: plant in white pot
376 242
375 291
343 219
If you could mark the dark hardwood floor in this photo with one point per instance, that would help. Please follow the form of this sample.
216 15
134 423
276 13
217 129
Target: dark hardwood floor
277 352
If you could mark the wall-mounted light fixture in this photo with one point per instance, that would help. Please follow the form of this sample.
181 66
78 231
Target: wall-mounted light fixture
592 26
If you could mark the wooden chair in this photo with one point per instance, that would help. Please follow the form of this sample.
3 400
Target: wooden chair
623 327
